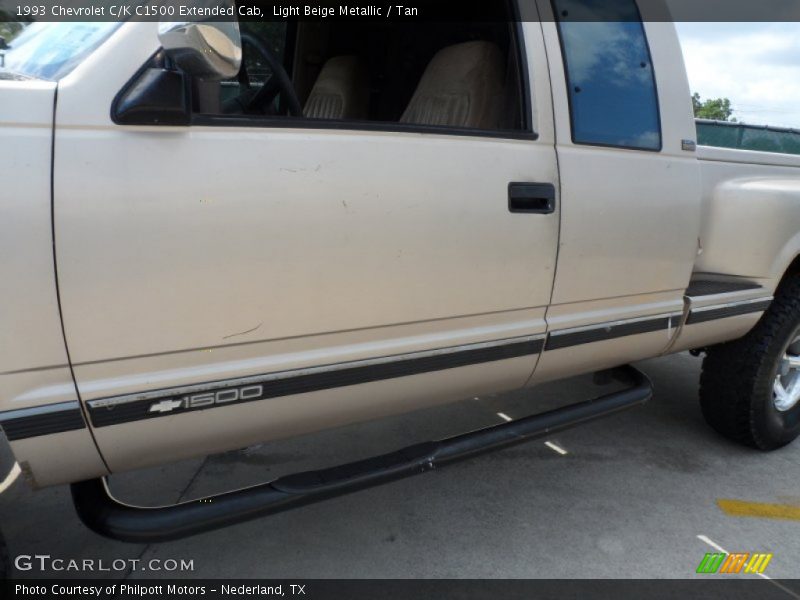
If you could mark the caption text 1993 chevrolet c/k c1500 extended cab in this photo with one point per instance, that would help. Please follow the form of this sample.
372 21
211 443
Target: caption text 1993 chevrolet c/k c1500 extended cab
216 234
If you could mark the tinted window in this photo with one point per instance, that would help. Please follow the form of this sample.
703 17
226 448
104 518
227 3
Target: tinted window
612 91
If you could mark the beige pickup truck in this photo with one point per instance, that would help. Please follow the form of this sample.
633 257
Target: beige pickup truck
215 234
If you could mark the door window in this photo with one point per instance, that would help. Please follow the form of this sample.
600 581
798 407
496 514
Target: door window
256 72
452 77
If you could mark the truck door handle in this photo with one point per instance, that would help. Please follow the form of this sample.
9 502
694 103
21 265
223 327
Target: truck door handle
532 198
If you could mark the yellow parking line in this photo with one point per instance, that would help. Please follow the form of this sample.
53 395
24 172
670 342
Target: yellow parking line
739 508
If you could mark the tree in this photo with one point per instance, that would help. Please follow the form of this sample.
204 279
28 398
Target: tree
718 109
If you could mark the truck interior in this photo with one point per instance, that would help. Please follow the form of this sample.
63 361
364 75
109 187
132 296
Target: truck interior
462 75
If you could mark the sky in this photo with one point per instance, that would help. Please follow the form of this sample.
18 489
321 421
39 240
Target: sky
756 65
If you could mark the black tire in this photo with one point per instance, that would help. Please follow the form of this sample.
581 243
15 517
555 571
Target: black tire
736 385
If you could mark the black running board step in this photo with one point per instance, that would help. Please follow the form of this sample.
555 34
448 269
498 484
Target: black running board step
105 515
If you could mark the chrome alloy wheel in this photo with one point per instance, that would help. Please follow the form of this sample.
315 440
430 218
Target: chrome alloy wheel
786 389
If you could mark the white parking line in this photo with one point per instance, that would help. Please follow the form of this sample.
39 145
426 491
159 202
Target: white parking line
556 447
549 444
10 478
712 543
719 548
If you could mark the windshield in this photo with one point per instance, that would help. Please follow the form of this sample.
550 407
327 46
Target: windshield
51 50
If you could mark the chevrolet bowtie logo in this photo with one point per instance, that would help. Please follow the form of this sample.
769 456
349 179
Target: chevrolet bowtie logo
165 406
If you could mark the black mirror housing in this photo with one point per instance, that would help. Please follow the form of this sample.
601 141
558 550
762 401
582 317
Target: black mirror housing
156 97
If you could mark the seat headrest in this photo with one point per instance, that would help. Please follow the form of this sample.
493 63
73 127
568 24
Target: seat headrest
341 90
461 87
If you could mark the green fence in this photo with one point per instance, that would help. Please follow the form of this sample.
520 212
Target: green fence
722 134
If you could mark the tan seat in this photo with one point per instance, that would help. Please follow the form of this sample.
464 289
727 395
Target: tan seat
461 87
341 90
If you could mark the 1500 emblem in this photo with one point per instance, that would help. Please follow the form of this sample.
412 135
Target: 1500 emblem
207 399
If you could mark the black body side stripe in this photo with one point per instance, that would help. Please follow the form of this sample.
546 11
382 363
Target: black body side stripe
723 312
575 337
112 412
41 420
67 416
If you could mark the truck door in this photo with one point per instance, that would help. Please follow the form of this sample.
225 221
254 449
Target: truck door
242 278
630 185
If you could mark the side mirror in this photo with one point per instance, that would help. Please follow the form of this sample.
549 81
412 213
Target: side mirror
155 97
206 50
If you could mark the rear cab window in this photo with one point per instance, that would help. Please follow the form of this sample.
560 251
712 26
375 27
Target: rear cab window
610 79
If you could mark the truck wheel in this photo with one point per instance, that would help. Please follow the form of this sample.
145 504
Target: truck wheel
750 388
